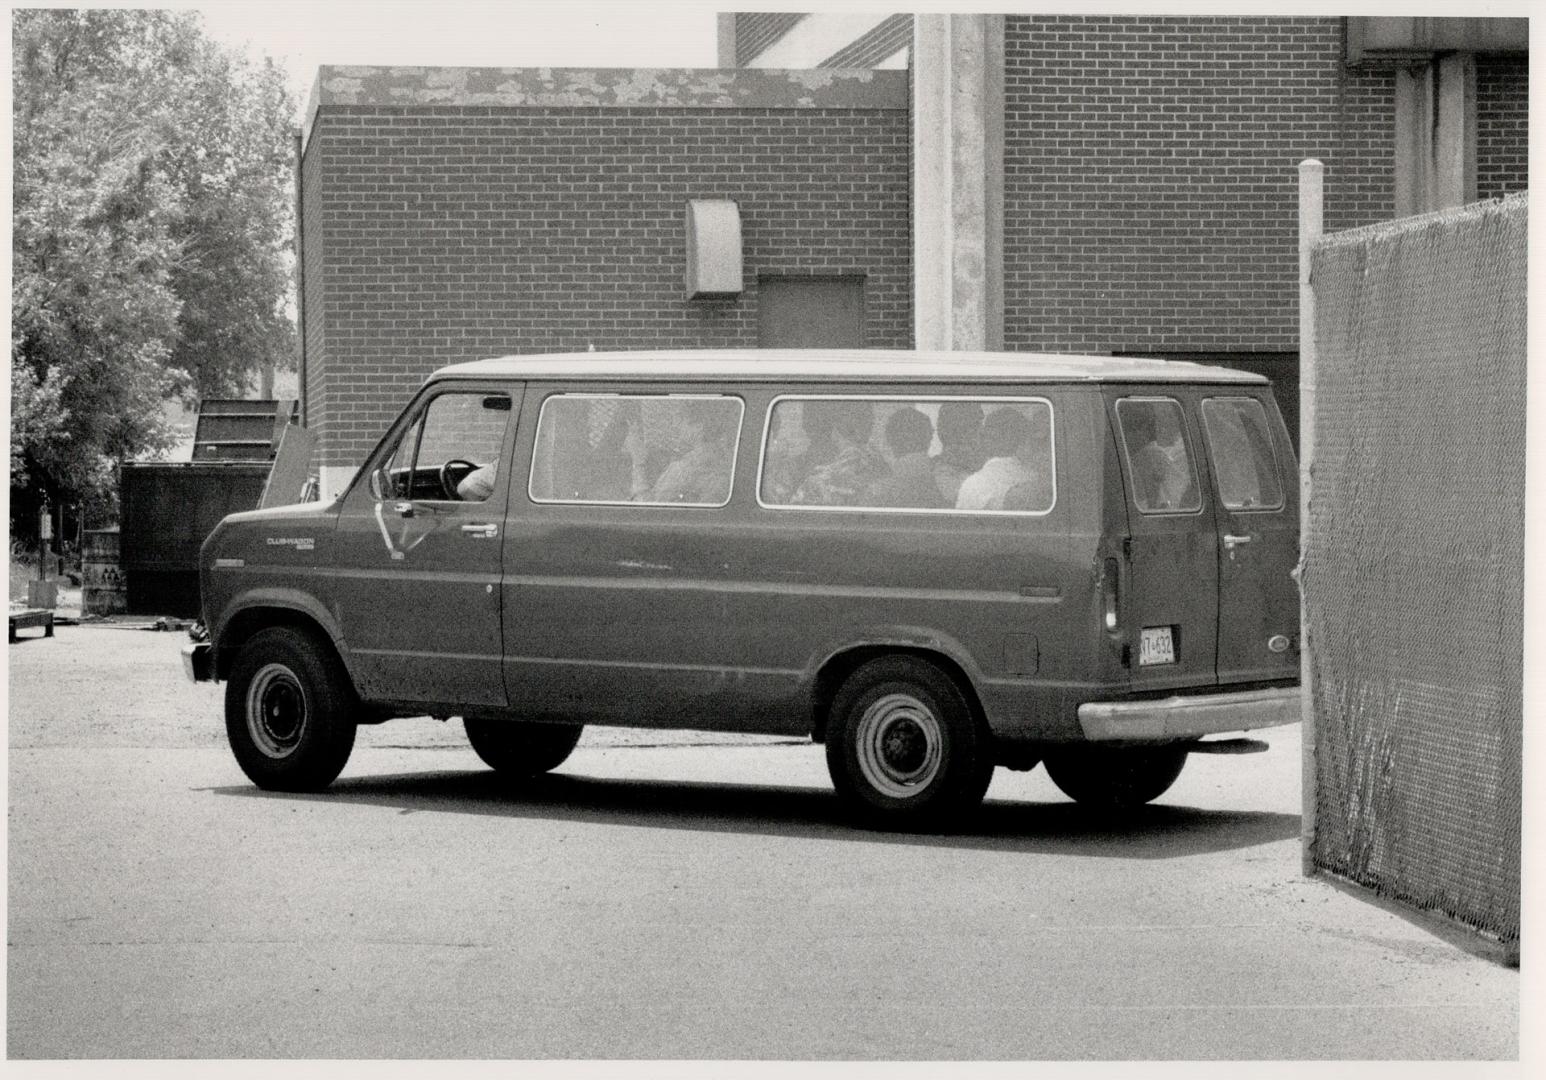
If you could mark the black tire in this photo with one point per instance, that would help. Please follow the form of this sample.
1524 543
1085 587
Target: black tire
905 748
1112 779
512 748
289 711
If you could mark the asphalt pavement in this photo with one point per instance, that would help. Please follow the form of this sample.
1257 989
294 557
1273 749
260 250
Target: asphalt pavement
666 896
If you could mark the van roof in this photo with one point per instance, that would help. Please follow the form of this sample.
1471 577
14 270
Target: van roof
843 365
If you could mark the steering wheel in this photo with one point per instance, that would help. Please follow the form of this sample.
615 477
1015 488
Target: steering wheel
446 483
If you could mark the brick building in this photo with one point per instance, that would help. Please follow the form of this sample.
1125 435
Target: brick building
1062 183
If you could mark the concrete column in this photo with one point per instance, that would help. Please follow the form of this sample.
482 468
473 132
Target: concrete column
958 181
1455 137
1436 134
1414 139
1312 215
726 39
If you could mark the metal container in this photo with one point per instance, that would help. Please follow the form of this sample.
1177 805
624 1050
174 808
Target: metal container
102 579
166 511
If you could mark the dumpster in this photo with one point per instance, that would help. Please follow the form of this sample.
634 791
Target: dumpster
166 509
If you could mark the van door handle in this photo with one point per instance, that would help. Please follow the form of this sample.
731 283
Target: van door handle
404 509
1231 541
487 531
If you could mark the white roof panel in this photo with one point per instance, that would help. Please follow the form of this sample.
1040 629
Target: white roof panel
842 365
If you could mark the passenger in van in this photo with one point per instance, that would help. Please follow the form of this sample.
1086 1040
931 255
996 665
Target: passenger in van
613 470
1161 469
702 474
960 438
911 483
1007 438
788 467
856 465
1035 494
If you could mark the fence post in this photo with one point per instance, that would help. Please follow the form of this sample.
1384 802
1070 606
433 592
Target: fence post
1311 199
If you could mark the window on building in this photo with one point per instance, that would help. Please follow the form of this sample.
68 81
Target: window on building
810 312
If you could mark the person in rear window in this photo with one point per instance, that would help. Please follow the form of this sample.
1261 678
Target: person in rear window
1006 438
911 483
960 455
702 474
1036 494
1161 468
840 481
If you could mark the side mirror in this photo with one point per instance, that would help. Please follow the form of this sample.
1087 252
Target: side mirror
378 483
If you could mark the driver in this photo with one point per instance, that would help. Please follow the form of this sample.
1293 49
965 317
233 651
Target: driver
478 484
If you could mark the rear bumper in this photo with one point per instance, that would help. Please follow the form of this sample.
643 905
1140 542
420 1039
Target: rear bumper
198 661
1189 717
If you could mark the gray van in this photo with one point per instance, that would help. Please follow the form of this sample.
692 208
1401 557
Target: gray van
931 563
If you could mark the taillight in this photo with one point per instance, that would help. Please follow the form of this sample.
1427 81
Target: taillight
1110 615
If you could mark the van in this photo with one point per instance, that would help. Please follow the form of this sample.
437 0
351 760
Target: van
934 564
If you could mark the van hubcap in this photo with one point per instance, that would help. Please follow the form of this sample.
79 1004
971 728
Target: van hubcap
276 710
900 745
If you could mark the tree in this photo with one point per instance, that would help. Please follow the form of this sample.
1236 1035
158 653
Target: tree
151 208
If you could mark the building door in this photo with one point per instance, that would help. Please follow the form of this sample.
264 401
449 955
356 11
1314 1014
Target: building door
810 312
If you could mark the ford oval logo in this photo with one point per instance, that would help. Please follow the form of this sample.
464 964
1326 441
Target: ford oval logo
1277 643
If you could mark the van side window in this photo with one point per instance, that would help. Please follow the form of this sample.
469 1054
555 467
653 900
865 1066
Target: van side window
654 450
451 450
1243 458
958 455
1159 461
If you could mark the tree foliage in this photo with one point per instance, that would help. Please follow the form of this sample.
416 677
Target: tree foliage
151 215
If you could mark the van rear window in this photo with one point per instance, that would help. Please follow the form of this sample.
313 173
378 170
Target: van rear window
1243 459
652 450
1159 456
956 455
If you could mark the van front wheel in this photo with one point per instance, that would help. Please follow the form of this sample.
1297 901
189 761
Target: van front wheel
521 749
904 747
289 711
1108 778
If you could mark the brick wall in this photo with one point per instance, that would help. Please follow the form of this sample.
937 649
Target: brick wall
1151 176
1502 125
452 233
313 315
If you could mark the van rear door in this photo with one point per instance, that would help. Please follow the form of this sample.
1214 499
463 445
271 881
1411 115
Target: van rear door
1255 491
1169 584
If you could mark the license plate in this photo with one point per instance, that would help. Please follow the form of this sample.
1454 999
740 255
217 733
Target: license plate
1156 646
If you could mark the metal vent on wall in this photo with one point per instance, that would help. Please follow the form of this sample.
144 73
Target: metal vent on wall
713 249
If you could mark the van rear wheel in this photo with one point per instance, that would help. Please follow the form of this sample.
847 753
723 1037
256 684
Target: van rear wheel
289 711
1111 778
904 747
513 748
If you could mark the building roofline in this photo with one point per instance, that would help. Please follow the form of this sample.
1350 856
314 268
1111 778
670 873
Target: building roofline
617 88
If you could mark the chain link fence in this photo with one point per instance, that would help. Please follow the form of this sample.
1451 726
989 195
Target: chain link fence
1414 572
